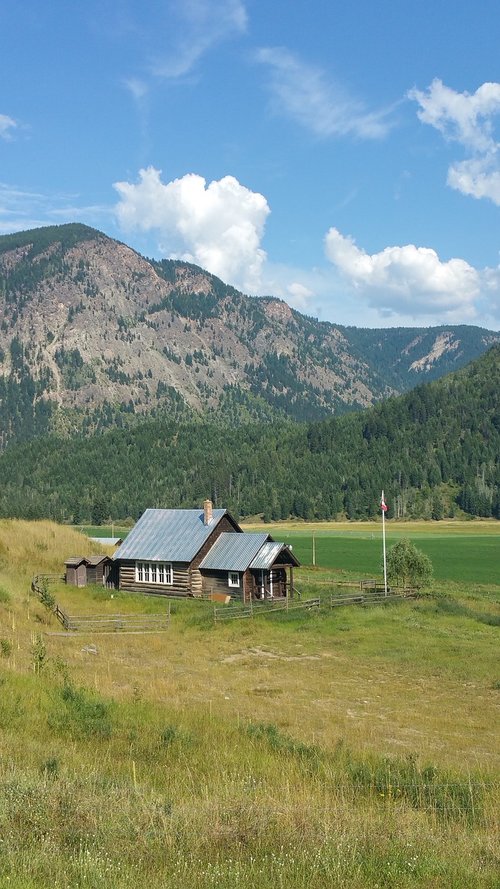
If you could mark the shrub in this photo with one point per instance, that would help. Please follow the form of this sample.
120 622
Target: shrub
83 714
38 654
5 597
407 565
5 647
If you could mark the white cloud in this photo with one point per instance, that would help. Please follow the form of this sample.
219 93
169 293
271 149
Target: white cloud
7 125
464 117
469 120
478 177
299 296
203 25
217 226
407 280
305 94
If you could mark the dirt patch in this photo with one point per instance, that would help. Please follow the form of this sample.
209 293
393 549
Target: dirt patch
268 655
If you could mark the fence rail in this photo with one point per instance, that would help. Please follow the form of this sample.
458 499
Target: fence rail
101 623
235 612
371 598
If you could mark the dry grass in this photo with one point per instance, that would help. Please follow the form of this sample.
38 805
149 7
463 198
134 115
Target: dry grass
246 753
447 527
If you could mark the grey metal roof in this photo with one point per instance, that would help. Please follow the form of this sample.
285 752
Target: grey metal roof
267 555
107 541
173 535
233 552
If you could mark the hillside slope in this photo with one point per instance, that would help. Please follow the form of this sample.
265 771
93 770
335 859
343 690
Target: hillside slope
281 752
434 450
94 335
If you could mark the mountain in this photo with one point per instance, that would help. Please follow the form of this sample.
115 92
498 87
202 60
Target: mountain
434 450
94 335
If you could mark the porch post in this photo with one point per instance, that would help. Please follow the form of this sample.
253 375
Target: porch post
291 581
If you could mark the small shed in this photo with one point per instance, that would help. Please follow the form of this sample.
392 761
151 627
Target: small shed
76 571
81 570
98 568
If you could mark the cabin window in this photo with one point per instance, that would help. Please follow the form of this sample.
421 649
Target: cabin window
233 578
154 572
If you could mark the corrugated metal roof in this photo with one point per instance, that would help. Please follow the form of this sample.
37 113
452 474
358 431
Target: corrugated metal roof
233 552
107 541
267 555
172 535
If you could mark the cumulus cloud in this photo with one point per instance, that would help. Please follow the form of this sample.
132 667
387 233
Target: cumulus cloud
304 93
406 280
203 25
467 119
7 125
217 226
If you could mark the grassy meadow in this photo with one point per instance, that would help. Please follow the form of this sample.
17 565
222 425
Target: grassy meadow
354 747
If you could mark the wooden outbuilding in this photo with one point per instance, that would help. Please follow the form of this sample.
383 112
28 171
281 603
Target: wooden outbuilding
76 571
82 570
98 569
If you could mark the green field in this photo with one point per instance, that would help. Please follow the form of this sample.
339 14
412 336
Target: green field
461 553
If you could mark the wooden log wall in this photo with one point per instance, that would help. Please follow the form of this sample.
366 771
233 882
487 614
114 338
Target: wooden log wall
216 582
180 586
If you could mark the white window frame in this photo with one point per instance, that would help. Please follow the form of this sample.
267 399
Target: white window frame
233 579
151 572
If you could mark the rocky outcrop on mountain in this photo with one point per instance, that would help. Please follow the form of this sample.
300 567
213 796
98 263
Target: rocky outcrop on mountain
92 333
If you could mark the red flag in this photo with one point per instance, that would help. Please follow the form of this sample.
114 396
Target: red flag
383 504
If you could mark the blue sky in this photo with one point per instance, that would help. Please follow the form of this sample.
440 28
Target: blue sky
342 156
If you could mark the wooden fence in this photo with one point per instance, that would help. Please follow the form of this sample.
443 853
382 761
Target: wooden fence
114 623
261 609
371 597
101 623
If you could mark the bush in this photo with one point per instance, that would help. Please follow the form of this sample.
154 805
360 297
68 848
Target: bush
407 566
84 715
4 596
5 648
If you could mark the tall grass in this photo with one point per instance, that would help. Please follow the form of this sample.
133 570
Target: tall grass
346 749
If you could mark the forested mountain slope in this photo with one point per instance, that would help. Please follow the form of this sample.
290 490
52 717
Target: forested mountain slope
92 335
434 450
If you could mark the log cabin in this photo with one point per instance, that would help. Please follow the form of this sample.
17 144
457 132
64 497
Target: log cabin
202 552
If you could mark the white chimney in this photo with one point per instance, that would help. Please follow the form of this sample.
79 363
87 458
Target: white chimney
207 512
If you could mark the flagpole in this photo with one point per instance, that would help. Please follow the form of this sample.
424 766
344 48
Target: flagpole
383 542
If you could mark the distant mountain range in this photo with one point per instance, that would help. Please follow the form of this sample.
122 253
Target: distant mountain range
94 335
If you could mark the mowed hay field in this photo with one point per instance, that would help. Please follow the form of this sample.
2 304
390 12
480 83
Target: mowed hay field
353 747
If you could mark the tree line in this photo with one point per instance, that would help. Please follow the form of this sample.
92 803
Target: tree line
435 451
